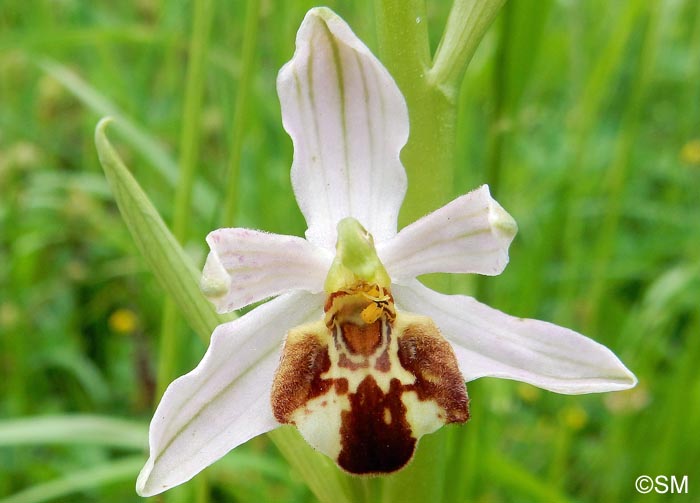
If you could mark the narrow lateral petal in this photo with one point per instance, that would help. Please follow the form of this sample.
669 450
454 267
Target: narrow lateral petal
246 266
468 235
488 342
348 122
225 400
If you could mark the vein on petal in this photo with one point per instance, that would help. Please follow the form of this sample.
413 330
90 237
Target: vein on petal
338 67
266 353
370 187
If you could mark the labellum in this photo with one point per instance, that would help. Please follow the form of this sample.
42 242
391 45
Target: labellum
366 382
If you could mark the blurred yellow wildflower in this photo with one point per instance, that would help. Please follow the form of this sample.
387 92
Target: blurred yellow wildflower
575 417
528 393
628 400
123 321
690 153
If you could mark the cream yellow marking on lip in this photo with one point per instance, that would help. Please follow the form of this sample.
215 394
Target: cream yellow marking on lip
424 416
319 422
356 376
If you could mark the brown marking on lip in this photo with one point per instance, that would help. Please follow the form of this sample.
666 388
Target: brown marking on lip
377 431
362 339
370 444
341 385
345 362
428 356
331 299
298 377
376 435
383 363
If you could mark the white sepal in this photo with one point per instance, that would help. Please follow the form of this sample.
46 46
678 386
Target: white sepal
348 122
225 400
490 343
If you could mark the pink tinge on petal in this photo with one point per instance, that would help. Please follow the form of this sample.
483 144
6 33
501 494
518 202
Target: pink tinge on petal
468 235
488 342
348 122
246 266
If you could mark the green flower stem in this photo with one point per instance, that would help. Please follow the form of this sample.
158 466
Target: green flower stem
431 89
189 154
250 44
429 154
328 483
466 26
429 159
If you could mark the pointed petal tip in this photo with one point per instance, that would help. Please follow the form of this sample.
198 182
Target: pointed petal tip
144 486
102 124
501 222
104 148
321 13
321 17
215 281
610 374
317 18
622 379
148 483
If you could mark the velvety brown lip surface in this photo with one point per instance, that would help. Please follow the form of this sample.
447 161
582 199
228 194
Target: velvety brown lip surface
430 358
362 339
370 365
370 444
298 378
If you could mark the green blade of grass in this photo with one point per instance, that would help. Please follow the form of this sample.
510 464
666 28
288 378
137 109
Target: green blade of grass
161 251
240 116
106 473
518 46
74 429
189 148
149 147
510 474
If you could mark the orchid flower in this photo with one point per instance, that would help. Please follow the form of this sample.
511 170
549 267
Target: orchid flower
371 359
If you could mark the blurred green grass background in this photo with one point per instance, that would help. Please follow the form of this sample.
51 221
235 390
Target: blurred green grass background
584 117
